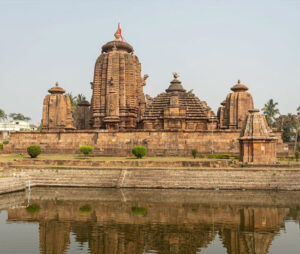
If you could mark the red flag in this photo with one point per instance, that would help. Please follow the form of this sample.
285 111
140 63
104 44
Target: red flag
119 32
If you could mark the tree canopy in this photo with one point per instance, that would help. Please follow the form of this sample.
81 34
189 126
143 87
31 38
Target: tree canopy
270 111
19 116
75 100
3 116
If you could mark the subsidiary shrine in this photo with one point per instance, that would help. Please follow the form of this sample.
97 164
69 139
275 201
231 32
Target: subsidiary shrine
120 116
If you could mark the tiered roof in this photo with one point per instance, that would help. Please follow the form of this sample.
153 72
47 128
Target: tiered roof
195 108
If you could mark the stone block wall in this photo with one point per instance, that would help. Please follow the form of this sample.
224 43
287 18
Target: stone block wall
113 143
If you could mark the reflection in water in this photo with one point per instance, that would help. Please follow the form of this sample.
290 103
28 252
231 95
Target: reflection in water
112 221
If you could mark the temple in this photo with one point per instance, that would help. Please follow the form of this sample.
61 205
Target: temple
119 115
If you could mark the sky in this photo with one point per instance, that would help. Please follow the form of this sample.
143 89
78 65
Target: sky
210 43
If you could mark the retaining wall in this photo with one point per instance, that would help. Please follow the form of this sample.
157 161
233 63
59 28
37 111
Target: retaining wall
254 179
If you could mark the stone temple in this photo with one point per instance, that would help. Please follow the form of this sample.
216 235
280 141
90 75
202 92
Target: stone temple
119 115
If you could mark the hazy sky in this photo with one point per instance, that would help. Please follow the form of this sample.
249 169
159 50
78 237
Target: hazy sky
210 43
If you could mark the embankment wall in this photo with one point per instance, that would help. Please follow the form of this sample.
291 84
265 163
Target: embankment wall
251 179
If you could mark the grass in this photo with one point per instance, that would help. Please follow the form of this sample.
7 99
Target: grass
12 157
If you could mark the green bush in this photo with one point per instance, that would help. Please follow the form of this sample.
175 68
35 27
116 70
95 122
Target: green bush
139 151
297 155
139 210
218 156
202 156
5 142
86 149
33 209
194 153
85 210
298 147
34 151
223 156
292 158
235 156
1 146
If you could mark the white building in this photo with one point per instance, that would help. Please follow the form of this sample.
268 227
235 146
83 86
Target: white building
15 125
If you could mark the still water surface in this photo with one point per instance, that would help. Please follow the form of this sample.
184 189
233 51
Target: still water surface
117 221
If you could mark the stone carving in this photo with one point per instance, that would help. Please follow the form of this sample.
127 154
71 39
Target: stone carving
258 143
57 110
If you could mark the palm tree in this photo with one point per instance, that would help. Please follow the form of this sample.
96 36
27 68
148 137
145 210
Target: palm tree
270 111
73 100
3 116
80 98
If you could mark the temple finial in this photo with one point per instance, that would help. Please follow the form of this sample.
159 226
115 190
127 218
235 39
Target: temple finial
239 81
56 83
175 75
118 33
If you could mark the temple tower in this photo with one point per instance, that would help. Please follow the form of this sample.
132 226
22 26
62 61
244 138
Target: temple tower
118 100
236 107
57 110
177 109
257 143
82 115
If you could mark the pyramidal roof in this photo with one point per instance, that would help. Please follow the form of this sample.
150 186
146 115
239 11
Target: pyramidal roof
195 108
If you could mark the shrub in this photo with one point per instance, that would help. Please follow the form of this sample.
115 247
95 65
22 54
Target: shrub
86 149
85 210
33 208
223 156
298 147
202 156
218 156
139 151
297 155
5 142
139 210
194 153
34 151
1 146
235 156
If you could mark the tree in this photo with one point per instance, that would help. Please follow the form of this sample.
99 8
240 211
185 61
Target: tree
270 111
287 124
3 116
19 116
297 128
75 100
80 98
